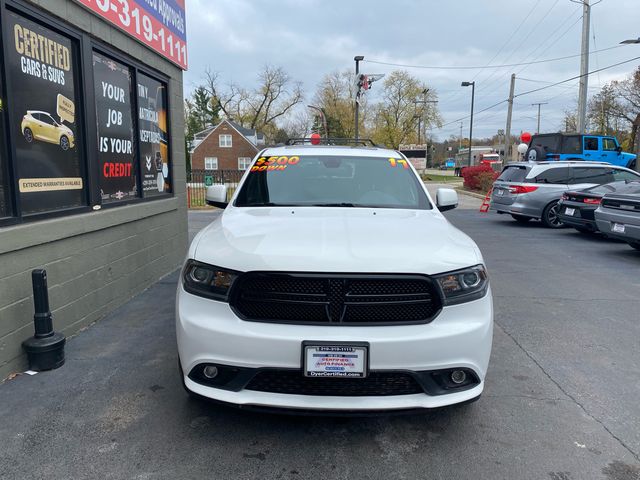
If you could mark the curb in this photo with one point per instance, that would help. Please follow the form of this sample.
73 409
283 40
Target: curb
470 194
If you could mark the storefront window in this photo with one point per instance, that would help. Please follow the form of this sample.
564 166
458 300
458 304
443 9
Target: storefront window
41 65
153 136
116 142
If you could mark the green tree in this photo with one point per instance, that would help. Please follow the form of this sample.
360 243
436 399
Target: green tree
395 120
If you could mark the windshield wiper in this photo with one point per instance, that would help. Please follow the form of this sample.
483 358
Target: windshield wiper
341 204
267 204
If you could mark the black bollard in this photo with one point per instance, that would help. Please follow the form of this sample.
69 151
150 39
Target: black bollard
45 349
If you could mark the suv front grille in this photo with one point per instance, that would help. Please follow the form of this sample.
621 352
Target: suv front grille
294 383
337 299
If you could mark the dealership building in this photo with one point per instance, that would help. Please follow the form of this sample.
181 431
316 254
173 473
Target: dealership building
92 157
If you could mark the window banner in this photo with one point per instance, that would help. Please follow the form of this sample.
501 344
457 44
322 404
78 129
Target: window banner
41 67
116 145
153 136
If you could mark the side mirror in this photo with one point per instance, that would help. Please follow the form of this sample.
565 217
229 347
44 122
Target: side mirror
446 199
619 149
216 196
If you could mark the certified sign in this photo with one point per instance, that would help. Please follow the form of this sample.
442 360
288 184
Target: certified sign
159 24
335 361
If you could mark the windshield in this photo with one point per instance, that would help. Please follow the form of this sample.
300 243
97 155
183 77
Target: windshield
513 173
332 181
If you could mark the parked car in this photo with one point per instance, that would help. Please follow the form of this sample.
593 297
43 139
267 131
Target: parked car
332 282
619 215
42 126
576 208
528 190
594 148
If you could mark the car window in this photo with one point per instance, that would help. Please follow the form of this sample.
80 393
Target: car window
332 181
557 176
572 144
36 116
591 143
597 175
47 119
550 143
608 144
513 173
621 175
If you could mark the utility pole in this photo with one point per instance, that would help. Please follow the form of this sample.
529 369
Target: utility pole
539 105
507 131
358 59
584 66
460 144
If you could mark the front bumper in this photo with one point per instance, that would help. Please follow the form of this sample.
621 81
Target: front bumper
209 332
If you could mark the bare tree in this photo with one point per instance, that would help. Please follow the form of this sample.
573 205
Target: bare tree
260 108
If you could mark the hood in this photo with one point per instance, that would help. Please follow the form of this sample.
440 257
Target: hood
329 239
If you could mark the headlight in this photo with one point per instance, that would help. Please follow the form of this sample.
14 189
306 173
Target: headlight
463 285
207 281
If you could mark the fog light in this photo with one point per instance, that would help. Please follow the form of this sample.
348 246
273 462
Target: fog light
458 376
210 371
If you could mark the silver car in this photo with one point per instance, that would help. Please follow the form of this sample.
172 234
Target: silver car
619 215
532 190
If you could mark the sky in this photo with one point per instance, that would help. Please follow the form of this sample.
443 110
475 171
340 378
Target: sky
310 38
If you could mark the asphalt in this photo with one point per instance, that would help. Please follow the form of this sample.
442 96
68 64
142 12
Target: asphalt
561 399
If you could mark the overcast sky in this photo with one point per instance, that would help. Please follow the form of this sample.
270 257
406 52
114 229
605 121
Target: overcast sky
310 38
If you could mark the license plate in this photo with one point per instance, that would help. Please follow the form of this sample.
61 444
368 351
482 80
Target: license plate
569 211
617 228
335 360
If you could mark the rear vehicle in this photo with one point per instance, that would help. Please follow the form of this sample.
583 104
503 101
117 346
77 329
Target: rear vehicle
573 147
332 282
619 215
533 190
576 208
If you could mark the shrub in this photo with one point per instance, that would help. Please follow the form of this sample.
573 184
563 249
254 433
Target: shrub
480 177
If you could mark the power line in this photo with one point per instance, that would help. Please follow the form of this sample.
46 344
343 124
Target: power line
543 88
463 67
577 77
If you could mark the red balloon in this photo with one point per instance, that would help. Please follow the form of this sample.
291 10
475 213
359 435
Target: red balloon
525 137
315 139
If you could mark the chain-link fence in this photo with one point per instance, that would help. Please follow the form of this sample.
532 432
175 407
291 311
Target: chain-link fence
199 180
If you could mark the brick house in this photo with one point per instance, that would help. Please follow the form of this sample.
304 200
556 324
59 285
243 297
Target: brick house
226 146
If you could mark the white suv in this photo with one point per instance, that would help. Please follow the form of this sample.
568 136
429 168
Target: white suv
331 282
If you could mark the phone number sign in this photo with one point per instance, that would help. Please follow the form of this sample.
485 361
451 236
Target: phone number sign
159 24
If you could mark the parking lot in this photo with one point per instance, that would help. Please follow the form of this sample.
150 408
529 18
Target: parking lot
561 398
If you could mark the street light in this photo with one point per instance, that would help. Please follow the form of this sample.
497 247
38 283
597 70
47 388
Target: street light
633 40
473 91
324 119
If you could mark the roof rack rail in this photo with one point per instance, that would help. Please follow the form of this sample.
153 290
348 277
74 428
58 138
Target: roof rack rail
365 142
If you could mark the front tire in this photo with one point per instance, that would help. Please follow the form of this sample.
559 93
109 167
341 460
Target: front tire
550 218
64 143
520 218
632 165
28 135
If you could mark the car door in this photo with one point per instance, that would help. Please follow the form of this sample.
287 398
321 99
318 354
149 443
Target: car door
49 129
591 148
589 176
552 182
610 151
37 126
